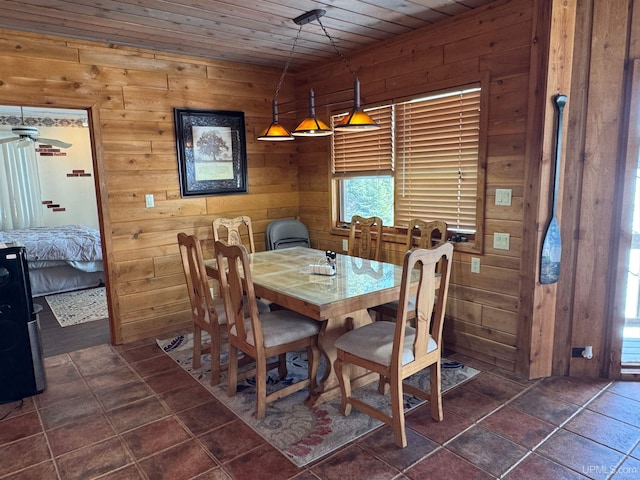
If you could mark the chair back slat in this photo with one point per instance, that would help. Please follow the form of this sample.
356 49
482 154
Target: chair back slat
444 269
234 228
365 246
237 287
197 281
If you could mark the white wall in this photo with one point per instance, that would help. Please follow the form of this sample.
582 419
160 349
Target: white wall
77 195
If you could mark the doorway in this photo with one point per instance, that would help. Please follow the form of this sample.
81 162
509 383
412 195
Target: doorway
630 358
631 332
59 141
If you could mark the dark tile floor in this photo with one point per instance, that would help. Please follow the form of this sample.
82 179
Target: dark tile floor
130 413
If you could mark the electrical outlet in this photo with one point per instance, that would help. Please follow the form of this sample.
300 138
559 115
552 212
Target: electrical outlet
501 241
503 197
148 200
345 245
475 265
582 352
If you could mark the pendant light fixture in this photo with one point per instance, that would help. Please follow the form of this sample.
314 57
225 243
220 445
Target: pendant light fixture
312 126
357 120
275 131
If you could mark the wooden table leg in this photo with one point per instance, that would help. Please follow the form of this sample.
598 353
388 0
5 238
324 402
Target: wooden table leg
328 386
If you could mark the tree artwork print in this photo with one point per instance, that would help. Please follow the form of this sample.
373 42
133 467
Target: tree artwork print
212 153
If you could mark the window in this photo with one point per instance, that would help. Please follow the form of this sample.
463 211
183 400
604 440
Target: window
424 162
367 197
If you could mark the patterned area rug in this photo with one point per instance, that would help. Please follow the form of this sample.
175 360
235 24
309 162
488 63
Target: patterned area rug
80 306
302 434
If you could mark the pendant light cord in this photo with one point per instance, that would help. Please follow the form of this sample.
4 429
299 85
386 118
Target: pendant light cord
335 47
286 67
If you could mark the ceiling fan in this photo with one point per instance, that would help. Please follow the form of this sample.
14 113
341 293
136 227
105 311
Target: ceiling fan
27 136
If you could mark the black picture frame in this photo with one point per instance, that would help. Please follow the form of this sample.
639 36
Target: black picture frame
203 135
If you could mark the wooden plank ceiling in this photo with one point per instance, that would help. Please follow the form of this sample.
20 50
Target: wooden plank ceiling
258 32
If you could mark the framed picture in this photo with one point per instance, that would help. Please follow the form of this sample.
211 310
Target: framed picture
212 155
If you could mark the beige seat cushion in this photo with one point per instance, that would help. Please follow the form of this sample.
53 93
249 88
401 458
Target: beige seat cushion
375 342
282 326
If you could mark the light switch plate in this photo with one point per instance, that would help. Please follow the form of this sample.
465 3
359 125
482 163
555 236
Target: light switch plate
148 200
345 244
501 241
503 197
475 265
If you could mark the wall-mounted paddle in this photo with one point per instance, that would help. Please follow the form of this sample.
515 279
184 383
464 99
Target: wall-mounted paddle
552 245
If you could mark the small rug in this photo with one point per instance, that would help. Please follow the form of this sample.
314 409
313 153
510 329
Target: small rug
304 434
80 306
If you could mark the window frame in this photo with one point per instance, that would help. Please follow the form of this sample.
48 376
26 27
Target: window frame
397 234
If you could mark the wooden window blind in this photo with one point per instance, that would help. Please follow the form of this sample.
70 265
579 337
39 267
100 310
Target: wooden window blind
430 146
369 153
437 159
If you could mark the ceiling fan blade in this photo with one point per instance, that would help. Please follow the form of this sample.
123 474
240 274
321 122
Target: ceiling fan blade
8 140
51 141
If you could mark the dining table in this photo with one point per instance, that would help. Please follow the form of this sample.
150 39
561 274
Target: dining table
340 300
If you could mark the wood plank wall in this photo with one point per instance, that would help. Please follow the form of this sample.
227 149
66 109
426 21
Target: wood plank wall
591 306
631 146
551 75
131 95
484 311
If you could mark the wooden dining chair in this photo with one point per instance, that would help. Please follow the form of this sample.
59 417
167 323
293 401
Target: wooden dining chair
261 336
206 313
234 229
396 350
425 238
363 246
426 233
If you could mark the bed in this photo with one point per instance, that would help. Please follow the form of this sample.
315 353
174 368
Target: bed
60 259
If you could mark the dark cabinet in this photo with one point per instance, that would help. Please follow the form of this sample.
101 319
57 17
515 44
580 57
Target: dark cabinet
22 371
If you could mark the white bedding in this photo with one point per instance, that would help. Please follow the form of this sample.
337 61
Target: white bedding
60 259
66 243
84 266
62 278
